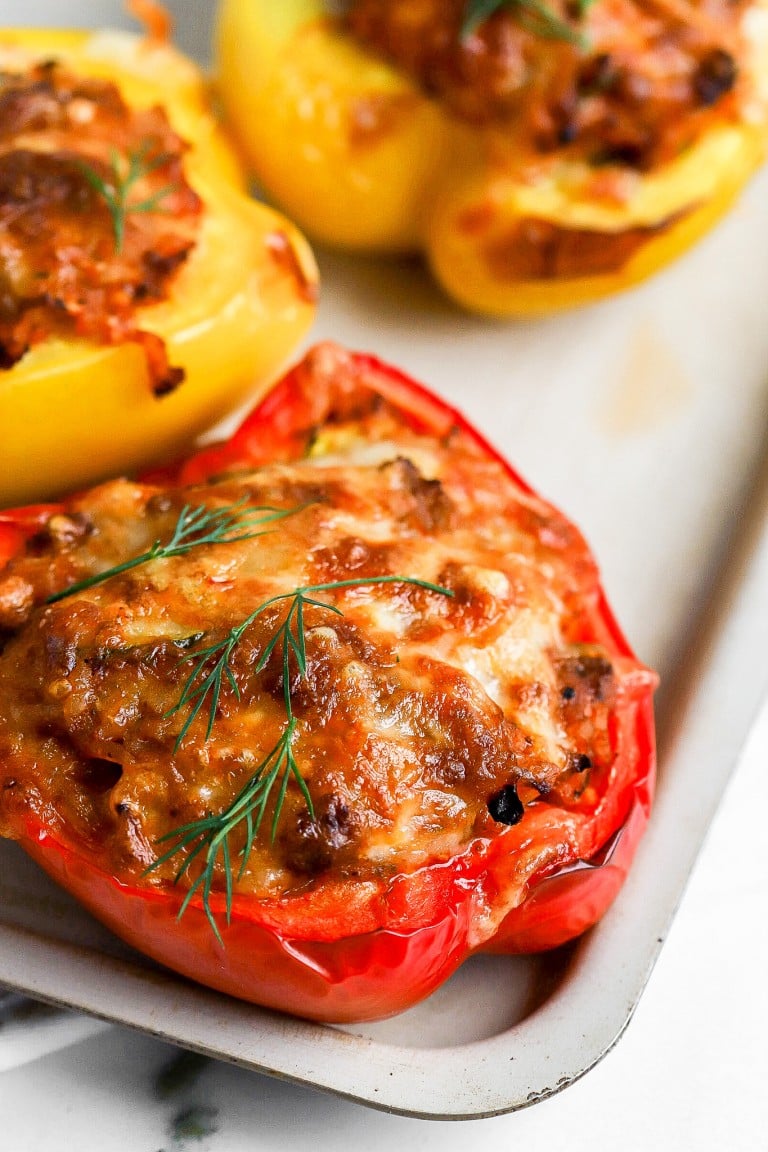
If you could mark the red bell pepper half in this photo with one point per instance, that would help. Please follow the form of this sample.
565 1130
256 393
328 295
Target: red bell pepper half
320 954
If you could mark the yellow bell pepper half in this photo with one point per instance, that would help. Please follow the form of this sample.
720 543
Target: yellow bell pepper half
73 411
362 159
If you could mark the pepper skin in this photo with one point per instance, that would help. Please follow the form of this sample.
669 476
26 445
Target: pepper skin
74 411
362 159
333 952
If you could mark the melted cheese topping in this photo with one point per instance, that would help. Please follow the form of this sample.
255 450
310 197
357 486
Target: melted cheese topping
416 711
96 215
633 84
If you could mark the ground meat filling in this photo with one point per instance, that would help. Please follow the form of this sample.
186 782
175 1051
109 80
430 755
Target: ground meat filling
96 215
424 719
537 250
637 82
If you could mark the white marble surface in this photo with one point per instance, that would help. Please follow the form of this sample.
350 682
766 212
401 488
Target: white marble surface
689 1075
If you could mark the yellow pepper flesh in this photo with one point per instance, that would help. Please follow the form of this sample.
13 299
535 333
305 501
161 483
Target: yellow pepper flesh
71 411
297 94
361 158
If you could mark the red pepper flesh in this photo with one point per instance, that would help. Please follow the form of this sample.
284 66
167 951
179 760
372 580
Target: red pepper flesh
317 954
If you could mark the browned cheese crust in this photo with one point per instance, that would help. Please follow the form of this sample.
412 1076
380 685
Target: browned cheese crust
642 83
64 270
416 710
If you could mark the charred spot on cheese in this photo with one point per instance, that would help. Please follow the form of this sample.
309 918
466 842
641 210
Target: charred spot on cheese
421 721
97 776
66 268
535 249
505 806
641 83
716 74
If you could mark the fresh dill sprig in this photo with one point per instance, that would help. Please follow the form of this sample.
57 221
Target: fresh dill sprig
204 685
124 172
196 525
533 15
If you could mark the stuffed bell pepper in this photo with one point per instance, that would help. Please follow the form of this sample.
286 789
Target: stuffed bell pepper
541 155
142 293
320 712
